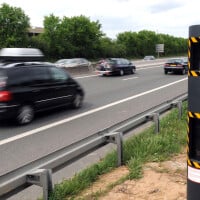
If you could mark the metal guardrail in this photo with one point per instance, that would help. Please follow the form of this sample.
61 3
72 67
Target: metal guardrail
39 172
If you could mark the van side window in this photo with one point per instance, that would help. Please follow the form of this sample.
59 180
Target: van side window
19 76
39 75
58 75
28 75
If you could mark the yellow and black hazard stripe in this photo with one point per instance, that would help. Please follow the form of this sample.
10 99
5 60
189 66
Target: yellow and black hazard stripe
190 116
194 115
192 41
193 73
188 133
193 164
190 162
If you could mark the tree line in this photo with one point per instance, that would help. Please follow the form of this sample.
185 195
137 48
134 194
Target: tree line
78 36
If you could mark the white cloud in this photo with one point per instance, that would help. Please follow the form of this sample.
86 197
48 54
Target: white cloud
164 16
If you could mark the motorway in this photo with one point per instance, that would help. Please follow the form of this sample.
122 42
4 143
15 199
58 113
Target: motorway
108 100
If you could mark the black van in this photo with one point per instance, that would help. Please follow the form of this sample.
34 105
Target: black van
28 86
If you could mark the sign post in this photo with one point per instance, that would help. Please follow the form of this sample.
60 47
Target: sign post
193 130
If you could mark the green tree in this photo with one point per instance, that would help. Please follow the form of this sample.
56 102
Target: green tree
51 35
173 45
82 34
14 25
144 43
110 48
130 42
72 37
38 42
147 41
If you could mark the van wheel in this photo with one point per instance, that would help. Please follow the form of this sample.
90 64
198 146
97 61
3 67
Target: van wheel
25 114
78 101
121 72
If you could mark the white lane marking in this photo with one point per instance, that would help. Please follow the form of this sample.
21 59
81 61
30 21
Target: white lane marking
79 77
126 79
144 68
43 128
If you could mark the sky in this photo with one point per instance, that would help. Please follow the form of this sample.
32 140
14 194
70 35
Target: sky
173 17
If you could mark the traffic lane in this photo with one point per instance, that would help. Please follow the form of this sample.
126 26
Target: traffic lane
24 150
149 62
103 90
8 129
99 91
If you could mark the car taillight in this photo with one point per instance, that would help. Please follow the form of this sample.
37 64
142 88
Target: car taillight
5 96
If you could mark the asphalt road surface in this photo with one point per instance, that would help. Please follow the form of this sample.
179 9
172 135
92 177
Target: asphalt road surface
108 100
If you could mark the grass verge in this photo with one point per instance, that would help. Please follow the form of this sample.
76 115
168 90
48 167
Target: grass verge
138 150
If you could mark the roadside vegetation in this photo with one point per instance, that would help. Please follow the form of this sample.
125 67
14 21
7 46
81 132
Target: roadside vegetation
78 36
137 150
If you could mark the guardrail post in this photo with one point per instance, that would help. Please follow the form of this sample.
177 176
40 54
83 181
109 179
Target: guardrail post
179 105
117 138
43 178
155 118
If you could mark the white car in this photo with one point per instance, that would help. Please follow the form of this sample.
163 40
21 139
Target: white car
73 62
149 58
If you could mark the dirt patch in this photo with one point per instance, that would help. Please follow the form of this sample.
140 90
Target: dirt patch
161 181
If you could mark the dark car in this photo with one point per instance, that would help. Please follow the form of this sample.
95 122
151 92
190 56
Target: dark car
27 87
175 65
113 66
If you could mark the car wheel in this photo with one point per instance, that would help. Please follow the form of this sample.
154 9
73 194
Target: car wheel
121 72
25 114
166 71
133 71
183 71
78 100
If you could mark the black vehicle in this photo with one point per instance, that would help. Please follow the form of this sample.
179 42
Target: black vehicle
176 65
27 87
112 66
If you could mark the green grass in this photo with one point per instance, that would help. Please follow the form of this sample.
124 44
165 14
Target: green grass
138 150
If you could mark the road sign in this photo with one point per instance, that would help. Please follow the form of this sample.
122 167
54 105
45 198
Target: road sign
160 48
